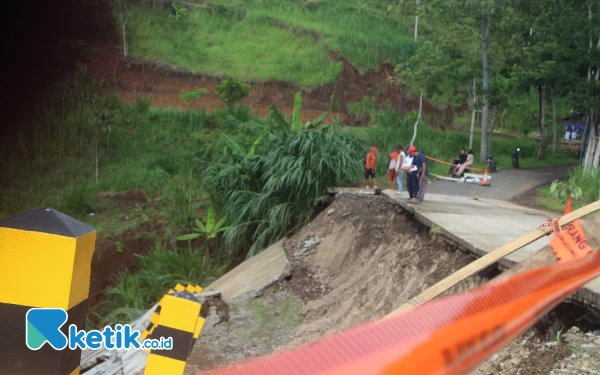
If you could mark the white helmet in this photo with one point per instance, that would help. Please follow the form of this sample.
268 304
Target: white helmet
518 150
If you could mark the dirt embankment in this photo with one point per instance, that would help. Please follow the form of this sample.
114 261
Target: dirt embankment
361 258
166 83
357 261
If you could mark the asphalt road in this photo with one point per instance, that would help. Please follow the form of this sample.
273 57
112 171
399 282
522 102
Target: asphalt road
505 184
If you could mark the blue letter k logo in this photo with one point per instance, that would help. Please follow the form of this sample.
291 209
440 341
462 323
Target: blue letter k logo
43 325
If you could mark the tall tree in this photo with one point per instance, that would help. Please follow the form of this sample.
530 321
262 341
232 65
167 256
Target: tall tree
478 19
549 51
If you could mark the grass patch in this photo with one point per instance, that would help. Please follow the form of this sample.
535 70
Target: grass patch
221 45
590 189
159 270
546 200
196 93
271 40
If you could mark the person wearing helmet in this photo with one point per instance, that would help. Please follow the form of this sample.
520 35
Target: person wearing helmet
412 180
515 159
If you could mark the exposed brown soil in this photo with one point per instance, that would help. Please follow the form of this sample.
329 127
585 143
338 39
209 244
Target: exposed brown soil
530 199
166 83
373 256
369 245
357 261
127 200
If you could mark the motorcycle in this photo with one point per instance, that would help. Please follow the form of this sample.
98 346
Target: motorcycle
492 167
454 165
515 159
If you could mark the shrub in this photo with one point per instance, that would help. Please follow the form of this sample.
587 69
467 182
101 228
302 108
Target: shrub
192 95
271 190
231 91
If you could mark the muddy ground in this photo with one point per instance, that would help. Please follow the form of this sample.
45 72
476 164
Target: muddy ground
361 258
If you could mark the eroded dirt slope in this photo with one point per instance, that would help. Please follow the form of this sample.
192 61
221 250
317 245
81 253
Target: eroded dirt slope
357 261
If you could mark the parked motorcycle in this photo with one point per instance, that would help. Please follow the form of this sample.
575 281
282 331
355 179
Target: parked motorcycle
515 159
454 165
492 167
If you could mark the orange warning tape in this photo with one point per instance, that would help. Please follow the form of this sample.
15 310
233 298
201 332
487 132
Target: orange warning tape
452 335
445 162
569 242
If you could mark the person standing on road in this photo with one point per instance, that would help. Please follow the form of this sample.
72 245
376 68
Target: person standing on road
420 172
412 183
392 170
400 165
423 175
371 167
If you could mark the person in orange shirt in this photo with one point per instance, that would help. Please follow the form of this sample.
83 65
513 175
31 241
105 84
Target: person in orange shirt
392 168
371 167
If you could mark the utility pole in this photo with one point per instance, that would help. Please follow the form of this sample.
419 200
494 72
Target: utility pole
403 88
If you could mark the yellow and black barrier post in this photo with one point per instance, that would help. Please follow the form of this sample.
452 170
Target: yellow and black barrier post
178 315
45 262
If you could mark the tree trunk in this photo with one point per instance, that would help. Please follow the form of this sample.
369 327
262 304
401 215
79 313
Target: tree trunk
125 48
585 146
554 137
542 124
485 35
417 20
124 17
472 129
473 99
206 258
491 132
596 163
97 153
412 141
592 143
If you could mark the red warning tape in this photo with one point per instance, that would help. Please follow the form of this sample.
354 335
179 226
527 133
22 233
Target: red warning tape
452 335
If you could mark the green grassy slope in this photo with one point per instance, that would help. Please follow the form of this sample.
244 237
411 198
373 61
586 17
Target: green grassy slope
254 40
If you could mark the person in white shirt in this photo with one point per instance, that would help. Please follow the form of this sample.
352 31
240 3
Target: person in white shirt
403 163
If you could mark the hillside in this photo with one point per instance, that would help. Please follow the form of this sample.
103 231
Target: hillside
271 40
340 58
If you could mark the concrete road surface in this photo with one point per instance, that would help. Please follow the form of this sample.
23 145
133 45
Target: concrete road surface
505 184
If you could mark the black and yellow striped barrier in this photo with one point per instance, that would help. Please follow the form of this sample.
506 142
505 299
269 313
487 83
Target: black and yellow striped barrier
178 318
193 289
45 262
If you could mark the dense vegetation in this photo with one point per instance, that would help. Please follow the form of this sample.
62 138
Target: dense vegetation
490 50
273 171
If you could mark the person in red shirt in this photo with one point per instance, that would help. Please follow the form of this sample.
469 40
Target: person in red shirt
371 167
392 168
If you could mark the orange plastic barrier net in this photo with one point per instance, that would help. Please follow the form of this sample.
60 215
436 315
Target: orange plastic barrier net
452 335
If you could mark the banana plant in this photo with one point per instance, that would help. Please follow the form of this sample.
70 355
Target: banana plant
279 122
179 11
208 230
